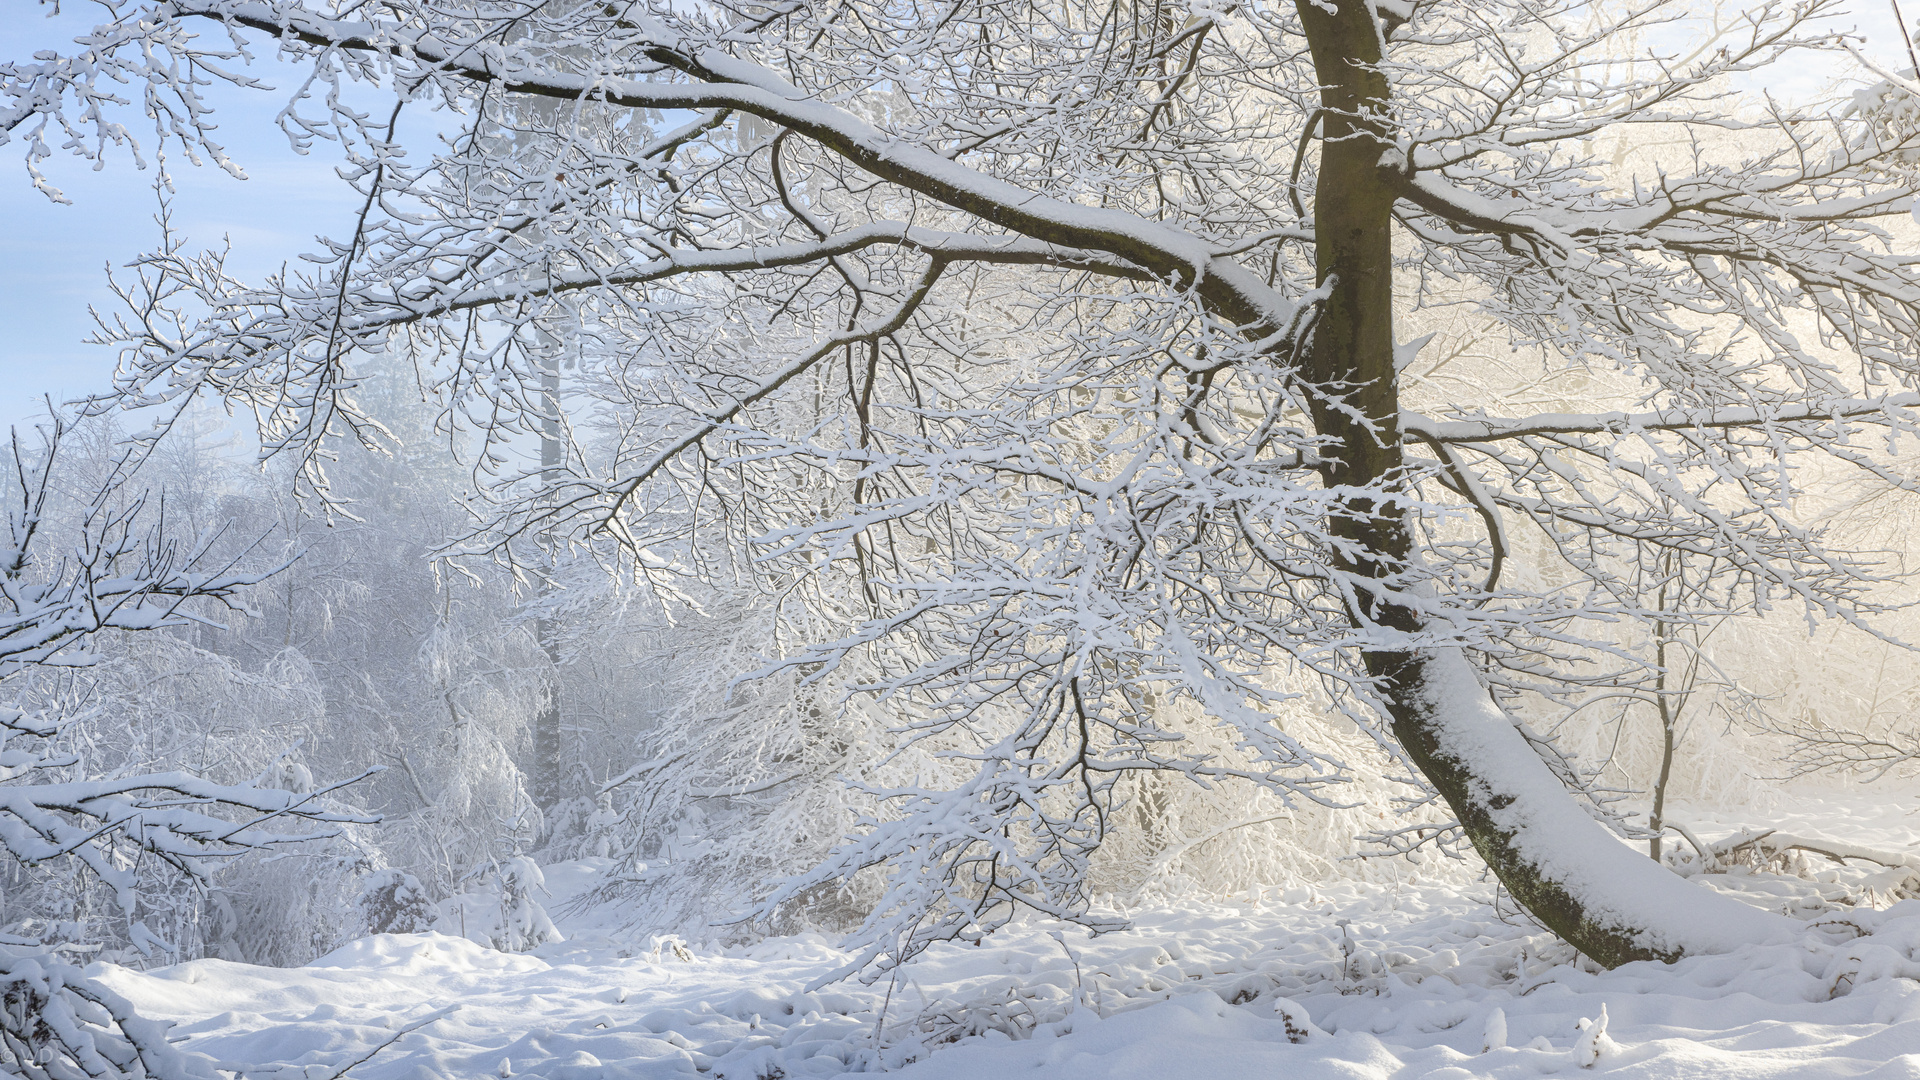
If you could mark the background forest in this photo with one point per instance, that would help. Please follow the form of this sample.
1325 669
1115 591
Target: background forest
366 654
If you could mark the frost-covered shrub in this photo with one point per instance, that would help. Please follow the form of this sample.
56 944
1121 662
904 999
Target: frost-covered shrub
1172 838
393 902
600 839
293 908
584 828
726 786
519 921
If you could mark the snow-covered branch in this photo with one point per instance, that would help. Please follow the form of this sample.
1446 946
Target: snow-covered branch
122 573
1892 411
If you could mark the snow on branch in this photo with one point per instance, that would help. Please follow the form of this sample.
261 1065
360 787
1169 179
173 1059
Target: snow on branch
1894 411
723 81
167 815
60 1025
120 574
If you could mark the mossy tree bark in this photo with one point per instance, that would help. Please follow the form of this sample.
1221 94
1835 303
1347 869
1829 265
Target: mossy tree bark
1469 750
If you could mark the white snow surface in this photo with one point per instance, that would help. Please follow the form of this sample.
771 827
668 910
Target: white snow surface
1351 980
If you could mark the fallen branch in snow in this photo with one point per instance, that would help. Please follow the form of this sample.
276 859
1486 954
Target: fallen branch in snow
1772 843
1761 849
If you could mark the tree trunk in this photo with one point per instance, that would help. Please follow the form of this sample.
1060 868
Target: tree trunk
548 780
1669 711
1572 873
1567 869
547 770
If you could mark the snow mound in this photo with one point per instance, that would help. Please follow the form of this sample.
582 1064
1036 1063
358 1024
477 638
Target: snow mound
418 954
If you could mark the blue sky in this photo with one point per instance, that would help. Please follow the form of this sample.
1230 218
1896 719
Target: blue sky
53 257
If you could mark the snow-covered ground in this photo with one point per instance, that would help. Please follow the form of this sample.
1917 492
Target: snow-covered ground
1352 981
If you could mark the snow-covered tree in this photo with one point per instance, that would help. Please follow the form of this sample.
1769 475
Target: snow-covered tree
523 922
1049 360
63 583
434 678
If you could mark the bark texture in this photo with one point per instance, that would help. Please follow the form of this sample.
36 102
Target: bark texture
1470 751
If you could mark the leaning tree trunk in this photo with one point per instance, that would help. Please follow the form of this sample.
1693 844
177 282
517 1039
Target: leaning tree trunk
1573 874
1566 868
